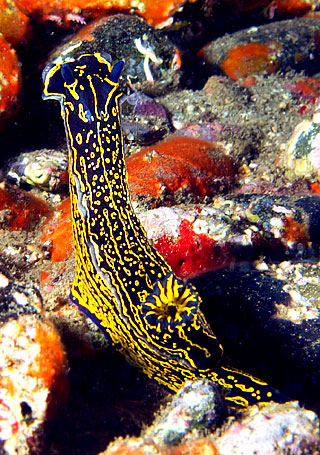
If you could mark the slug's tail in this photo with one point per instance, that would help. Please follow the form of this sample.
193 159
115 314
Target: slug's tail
242 389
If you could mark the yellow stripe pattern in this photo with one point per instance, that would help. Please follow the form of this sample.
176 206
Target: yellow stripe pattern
121 281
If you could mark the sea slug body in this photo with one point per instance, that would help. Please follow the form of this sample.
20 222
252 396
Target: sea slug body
122 283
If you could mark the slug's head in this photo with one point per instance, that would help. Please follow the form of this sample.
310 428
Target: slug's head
176 325
83 86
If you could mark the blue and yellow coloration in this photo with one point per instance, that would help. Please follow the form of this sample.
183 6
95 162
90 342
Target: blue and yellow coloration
122 283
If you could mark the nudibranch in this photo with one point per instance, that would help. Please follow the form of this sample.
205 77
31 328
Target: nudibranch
122 283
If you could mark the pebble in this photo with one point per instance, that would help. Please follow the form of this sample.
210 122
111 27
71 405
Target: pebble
294 8
151 61
277 46
14 24
33 382
57 234
4 281
145 120
44 169
10 82
274 430
180 167
197 406
211 131
302 155
17 297
20 210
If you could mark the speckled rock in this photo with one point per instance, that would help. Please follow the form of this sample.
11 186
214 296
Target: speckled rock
16 298
44 169
180 167
14 24
197 406
145 121
33 382
274 430
20 210
252 123
151 60
301 159
281 46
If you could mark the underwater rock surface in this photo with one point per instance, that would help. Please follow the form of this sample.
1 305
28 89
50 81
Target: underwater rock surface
273 430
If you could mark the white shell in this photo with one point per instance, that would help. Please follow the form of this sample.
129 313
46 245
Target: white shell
302 154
